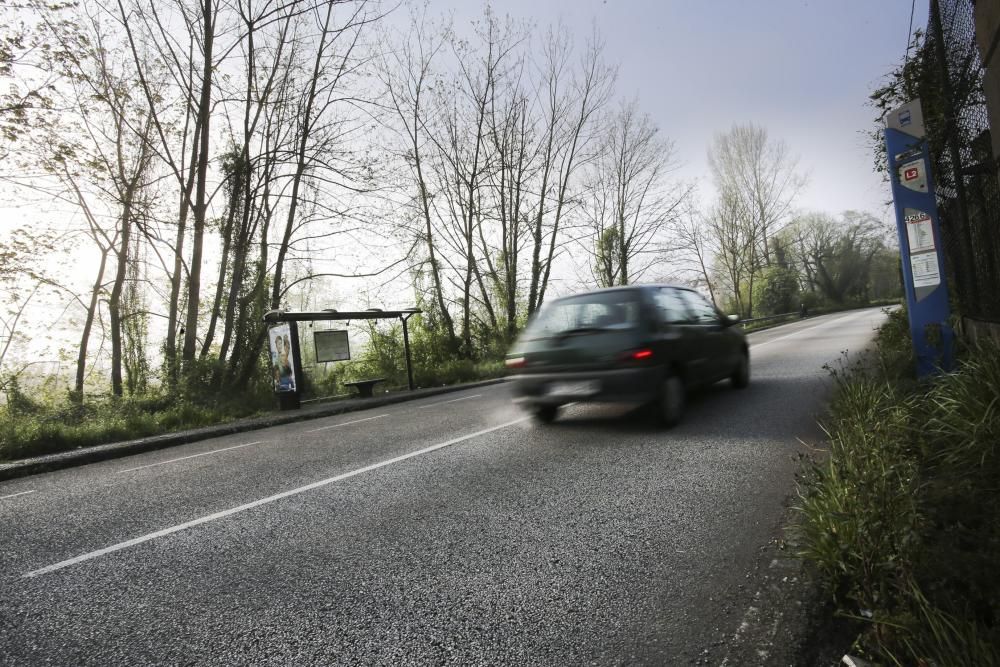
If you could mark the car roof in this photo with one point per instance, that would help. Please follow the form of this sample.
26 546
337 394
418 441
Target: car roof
637 286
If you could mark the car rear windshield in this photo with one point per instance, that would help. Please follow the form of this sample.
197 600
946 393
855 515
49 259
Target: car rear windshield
597 311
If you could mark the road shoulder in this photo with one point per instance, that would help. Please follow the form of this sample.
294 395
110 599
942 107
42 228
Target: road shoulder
83 456
785 617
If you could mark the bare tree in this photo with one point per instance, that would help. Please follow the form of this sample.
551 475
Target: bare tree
735 239
257 136
756 180
187 61
315 98
98 159
20 281
406 74
462 161
632 203
696 246
758 176
495 155
514 153
127 160
264 137
571 114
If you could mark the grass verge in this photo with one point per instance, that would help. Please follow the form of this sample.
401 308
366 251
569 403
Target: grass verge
35 425
35 428
901 520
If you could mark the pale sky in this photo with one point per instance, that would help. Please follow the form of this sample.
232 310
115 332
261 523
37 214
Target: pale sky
803 69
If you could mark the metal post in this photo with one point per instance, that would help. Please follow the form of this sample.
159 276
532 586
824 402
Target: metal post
406 348
917 227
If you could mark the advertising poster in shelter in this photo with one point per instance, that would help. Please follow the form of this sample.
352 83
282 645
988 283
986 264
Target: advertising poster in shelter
282 359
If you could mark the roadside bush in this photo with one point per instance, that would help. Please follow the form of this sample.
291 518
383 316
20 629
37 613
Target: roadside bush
453 371
813 301
433 364
776 292
34 427
458 370
902 519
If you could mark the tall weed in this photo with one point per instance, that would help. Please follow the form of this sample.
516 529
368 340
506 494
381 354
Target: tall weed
902 519
56 426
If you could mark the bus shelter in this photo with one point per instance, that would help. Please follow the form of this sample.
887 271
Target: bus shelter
283 340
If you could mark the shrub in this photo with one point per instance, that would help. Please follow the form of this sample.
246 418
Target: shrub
58 426
776 292
902 519
434 364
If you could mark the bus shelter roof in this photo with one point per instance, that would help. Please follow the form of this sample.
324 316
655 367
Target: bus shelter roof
330 314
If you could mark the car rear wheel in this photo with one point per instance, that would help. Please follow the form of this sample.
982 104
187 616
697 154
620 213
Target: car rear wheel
670 402
741 375
546 414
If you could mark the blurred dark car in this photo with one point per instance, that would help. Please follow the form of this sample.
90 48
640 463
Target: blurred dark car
643 344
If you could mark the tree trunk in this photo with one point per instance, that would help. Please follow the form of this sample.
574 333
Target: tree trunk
426 211
176 277
115 299
201 190
236 192
95 293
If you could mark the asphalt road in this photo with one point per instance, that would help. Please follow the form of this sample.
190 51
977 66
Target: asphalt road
449 530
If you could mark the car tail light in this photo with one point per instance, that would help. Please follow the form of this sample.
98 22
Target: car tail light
516 362
641 355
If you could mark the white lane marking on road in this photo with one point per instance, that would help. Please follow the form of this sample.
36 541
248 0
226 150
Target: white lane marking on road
263 501
801 331
184 458
454 400
15 495
356 421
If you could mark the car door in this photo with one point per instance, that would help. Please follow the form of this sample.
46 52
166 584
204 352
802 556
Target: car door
712 341
679 335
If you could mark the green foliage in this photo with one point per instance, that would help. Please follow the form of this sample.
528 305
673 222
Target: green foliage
607 257
904 83
837 257
434 364
458 370
384 356
811 300
902 518
33 425
199 381
777 291
886 275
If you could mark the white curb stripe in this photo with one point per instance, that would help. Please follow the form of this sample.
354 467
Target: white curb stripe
184 458
15 495
356 421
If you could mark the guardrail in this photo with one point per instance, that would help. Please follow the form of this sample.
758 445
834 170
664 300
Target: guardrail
756 320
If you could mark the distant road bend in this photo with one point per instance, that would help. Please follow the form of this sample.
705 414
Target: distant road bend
449 529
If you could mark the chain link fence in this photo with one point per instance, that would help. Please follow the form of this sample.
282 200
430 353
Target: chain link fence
958 129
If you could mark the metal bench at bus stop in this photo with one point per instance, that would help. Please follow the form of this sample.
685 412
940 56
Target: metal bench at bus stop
365 387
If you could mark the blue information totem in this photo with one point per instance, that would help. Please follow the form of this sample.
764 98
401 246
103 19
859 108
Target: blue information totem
919 239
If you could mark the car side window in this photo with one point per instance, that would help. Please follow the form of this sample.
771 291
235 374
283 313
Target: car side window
703 311
673 309
609 315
